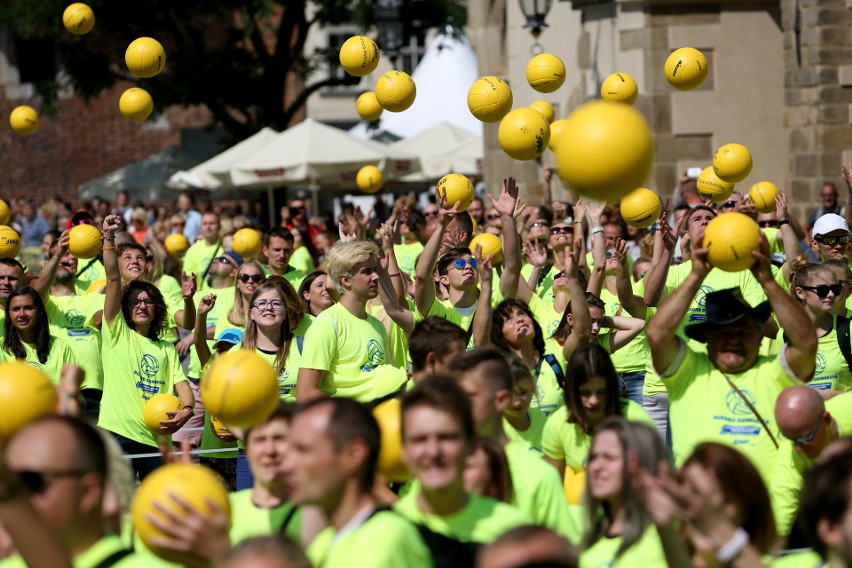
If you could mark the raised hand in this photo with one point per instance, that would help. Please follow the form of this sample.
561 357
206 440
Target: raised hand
620 251
62 244
536 253
206 304
344 236
847 175
762 267
386 234
580 210
700 263
188 285
595 211
445 212
483 266
507 201
781 204
112 223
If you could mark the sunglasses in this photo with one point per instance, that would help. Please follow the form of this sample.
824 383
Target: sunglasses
224 260
256 278
823 289
728 205
492 216
66 264
37 481
562 230
430 213
538 224
460 263
831 241
810 437
764 224
149 257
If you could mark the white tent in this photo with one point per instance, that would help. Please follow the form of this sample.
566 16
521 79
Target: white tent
443 78
434 147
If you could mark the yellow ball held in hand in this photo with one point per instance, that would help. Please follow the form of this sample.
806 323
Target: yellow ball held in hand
78 18
491 244
458 188
368 106
523 134
369 179
157 408
241 388
489 99
145 57
762 194
219 427
395 91
246 243
10 242
686 68
641 208
5 213
557 129
26 394
545 109
620 87
176 244
606 151
359 55
84 241
575 486
194 484
136 104
389 416
710 187
732 162
545 73
730 239
24 120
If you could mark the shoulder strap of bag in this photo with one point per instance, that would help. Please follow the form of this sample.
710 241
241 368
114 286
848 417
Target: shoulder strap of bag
843 340
287 520
209 264
753 409
557 369
113 558
90 263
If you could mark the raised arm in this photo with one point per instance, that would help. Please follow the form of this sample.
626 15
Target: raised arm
387 236
662 330
792 249
801 333
424 284
396 311
581 319
481 324
48 271
537 257
185 318
655 280
593 214
633 304
505 205
846 170
626 330
199 334
112 299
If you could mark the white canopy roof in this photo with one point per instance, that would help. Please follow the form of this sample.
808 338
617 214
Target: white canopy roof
435 148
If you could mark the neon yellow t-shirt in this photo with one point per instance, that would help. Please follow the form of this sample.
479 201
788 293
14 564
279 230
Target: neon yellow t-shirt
462 317
70 317
543 289
384 540
406 256
532 435
248 520
349 349
58 355
807 559
90 273
224 299
704 408
301 260
775 240
840 408
562 440
199 256
634 356
539 491
293 276
172 293
482 520
96 554
832 372
647 551
397 338
287 377
135 369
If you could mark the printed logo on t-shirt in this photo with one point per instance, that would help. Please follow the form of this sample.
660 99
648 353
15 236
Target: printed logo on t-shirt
74 318
699 313
820 364
36 364
149 366
701 295
737 405
551 328
375 355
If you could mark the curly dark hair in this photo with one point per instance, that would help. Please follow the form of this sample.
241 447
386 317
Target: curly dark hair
161 310
12 341
503 312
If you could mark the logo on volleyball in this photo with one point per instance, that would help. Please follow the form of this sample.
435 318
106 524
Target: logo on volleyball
375 355
75 318
149 365
737 405
820 364
701 295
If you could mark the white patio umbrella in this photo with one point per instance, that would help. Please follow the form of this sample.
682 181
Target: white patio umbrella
432 147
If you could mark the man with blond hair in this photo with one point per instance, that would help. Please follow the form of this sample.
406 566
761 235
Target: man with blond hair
346 350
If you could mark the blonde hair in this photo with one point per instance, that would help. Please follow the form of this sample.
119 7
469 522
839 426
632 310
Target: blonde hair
342 258
294 311
802 270
238 315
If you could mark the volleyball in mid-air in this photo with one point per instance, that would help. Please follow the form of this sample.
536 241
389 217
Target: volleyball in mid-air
368 107
24 120
762 194
641 208
369 179
490 244
395 91
136 104
145 57
524 134
620 87
545 73
557 128
730 239
78 18
10 242
246 243
458 189
84 241
489 99
709 186
176 244
359 55
732 162
545 109
686 68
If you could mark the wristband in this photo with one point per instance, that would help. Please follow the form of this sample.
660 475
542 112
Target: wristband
108 248
392 274
192 412
731 549
787 221
597 230
109 238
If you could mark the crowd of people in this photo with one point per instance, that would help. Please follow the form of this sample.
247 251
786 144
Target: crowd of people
590 395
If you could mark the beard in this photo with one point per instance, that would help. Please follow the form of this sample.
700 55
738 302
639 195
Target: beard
65 276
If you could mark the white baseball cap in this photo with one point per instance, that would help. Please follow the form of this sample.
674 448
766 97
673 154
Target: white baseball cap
829 223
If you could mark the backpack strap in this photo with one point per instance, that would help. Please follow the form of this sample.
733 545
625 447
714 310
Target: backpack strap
557 370
300 343
287 520
843 339
113 558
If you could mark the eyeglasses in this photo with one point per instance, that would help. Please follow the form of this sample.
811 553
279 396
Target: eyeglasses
563 230
810 437
37 481
137 303
492 216
178 224
256 278
770 223
274 305
430 213
728 205
538 224
831 241
66 264
823 289
460 263
149 257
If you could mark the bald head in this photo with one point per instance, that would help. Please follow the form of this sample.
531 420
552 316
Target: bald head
798 409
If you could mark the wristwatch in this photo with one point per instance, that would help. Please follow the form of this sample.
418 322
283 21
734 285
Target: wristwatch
191 409
783 222
731 549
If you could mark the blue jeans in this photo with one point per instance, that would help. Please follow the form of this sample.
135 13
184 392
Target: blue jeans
632 385
245 479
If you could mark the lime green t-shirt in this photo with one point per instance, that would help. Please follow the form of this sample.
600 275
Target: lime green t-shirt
349 349
92 271
563 440
647 551
384 540
248 520
172 293
397 338
58 355
481 521
806 559
406 256
293 276
135 369
636 355
93 556
775 240
831 372
462 317
199 257
224 302
532 435
539 491
549 395
70 317
840 408
544 287
301 260
287 377
704 408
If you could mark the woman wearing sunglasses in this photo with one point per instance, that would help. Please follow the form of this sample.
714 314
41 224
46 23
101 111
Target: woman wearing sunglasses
249 276
816 288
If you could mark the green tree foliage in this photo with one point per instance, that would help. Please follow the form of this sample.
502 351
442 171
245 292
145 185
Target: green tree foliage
233 56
